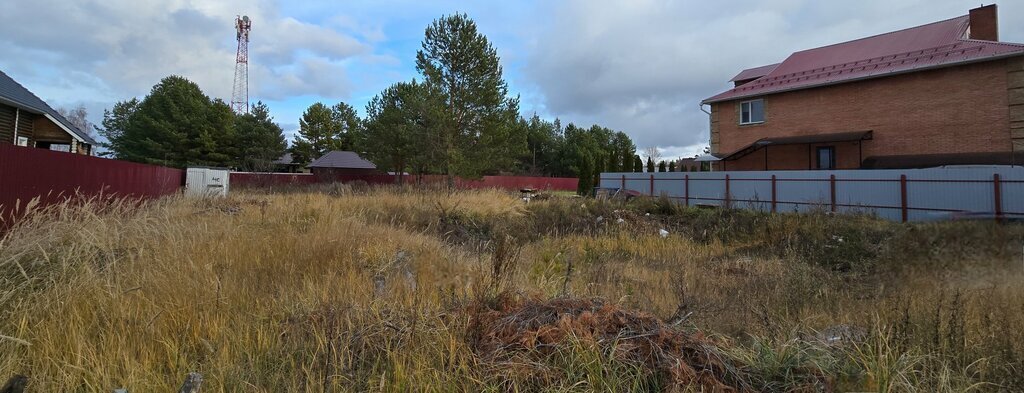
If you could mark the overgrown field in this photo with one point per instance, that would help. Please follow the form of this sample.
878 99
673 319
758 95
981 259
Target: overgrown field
386 289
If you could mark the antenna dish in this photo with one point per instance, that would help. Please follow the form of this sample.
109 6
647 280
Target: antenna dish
245 18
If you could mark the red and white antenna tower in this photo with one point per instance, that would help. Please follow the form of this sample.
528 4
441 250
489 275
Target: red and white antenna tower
240 94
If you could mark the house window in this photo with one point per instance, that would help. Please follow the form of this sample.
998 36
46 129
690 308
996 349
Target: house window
752 112
827 157
22 141
64 147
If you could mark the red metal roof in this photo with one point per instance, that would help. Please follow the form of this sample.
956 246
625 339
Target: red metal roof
754 73
929 46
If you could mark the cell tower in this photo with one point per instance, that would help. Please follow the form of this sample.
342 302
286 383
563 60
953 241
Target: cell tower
240 94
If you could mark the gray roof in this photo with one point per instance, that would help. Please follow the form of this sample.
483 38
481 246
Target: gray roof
342 159
14 94
286 159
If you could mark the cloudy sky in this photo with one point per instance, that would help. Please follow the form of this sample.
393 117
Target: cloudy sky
639 66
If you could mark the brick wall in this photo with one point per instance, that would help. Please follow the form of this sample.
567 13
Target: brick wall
950 110
1015 95
716 145
985 23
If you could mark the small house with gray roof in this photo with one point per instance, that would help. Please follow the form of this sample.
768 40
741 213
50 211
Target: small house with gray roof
339 162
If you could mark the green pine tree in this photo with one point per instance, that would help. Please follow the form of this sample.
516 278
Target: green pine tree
348 123
175 125
478 124
585 173
398 120
323 129
115 122
623 149
613 165
260 140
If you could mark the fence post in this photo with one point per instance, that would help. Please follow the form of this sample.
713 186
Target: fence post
727 198
652 185
773 194
832 188
997 187
903 197
686 189
623 188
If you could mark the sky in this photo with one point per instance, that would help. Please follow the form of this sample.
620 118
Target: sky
637 66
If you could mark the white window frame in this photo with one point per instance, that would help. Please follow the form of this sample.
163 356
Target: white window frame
749 105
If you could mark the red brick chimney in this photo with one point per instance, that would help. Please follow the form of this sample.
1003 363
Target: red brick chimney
985 23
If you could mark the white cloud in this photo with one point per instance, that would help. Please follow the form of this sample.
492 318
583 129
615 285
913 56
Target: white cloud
115 49
643 66
639 66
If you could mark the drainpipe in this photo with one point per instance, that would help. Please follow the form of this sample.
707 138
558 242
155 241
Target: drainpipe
17 114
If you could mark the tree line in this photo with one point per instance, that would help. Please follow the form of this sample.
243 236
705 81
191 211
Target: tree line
177 125
456 118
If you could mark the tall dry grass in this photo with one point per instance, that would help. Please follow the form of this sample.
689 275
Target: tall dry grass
356 290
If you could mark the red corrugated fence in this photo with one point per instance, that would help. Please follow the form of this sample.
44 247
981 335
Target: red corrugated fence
262 179
27 173
248 179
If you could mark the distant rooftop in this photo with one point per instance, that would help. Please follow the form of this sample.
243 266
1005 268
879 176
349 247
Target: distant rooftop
342 159
285 159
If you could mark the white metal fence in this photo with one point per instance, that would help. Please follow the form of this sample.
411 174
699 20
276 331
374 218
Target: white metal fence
895 194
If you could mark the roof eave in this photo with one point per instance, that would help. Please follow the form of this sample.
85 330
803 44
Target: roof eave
20 105
712 100
850 136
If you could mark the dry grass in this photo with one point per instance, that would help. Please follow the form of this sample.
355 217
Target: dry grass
384 289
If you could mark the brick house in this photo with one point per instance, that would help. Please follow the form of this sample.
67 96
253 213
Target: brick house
26 120
943 93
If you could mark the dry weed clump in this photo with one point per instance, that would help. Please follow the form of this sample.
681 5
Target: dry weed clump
518 337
